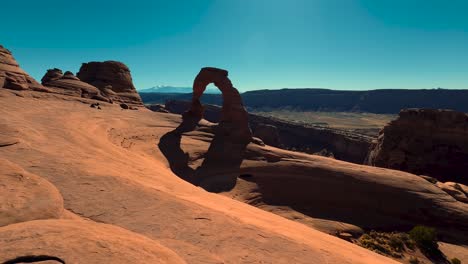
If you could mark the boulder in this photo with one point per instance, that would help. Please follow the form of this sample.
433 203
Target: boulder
113 79
158 108
96 105
12 76
425 141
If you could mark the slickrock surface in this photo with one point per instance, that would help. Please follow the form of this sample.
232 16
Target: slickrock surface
25 196
109 169
12 76
72 241
425 141
113 79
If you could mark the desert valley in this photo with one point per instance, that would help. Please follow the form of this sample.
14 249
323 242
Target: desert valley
90 174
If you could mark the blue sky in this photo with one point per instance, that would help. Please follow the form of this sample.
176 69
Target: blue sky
265 44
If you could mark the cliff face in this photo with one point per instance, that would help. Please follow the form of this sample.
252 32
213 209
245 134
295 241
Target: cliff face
344 145
425 141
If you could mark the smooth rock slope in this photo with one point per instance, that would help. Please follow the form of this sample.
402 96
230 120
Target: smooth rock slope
12 76
108 168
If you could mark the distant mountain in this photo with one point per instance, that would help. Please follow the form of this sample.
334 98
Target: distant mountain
175 90
385 101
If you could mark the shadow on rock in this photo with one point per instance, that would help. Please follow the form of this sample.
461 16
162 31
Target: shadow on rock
221 166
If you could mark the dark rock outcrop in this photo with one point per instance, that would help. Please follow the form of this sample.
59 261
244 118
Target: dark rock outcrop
268 134
113 79
456 190
425 141
158 108
12 76
342 145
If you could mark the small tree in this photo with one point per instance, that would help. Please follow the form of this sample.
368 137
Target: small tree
425 238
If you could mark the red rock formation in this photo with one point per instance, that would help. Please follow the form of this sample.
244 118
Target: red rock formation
234 117
425 141
456 190
12 76
69 84
113 80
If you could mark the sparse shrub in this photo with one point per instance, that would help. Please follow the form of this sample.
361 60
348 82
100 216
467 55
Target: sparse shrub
455 261
413 260
426 239
389 244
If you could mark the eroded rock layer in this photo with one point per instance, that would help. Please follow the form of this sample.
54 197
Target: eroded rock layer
112 78
12 76
425 141
69 84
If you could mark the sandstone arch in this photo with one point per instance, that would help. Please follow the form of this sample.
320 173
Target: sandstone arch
234 117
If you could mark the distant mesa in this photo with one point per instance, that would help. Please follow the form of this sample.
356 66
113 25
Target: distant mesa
384 101
425 141
112 78
12 76
176 90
